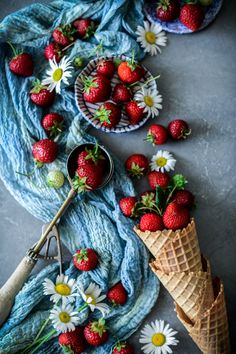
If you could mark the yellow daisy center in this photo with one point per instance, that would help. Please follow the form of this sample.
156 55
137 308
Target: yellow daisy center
161 161
64 317
57 75
63 289
93 302
148 101
150 37
158 339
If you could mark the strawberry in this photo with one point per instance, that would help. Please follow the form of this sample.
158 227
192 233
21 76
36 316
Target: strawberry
184 198
53 50
108 114
88 177
134 112
179 129
156 178
73 342
176 216
130 72
121 94
106 68
192 15
168 10
92 156
85 259
96 89
64 35
55 179
85 27
45 151
127 205
21 64
123 348
117 294
96 332
157 134
151 222
137 165
40 94
53 123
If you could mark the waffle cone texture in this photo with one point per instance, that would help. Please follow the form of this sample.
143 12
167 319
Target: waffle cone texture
187 276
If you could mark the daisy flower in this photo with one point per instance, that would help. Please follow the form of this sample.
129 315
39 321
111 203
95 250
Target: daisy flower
157 338
151 37
57 74
93 299
63 289
64 318
162 161
150 100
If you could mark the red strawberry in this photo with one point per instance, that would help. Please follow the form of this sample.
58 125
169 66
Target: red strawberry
179 129
130 72
192 16
176 216
21 64
184 198
108 114
157 134
53 123
137 165
85 259
96 89
127 205
85 27
89 177
73 342
121 93
151 222
45 151
117 294
160 179
40 94
53 50
106 68
64 35
123 348
92 156
96 333
134 112
168 10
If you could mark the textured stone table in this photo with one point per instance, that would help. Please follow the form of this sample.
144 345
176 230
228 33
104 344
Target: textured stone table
198 84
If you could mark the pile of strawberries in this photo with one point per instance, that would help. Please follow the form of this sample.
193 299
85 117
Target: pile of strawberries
96 332
90 171
165 206
191 13
98 89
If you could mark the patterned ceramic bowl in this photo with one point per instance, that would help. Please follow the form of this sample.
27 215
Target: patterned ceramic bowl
88 109
176 26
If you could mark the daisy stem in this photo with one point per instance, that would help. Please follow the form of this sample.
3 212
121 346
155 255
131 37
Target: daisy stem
39 340
146 82
43 340
170 195
81 308
41 329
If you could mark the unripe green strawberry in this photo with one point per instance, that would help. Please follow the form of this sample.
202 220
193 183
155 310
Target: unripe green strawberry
55 179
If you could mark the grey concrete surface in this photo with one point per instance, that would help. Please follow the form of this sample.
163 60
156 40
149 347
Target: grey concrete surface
198 84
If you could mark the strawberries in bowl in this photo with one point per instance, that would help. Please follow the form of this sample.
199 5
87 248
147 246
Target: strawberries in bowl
113 81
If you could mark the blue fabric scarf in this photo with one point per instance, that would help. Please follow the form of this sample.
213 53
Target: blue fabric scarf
93 220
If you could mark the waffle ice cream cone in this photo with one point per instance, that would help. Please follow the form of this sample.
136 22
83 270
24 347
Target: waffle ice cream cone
192 291
210 332
175 251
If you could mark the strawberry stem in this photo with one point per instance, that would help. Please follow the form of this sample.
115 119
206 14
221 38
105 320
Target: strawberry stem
13 49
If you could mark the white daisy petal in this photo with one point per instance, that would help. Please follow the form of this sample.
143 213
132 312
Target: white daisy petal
92 296
156 338
149 99
63 289
151 37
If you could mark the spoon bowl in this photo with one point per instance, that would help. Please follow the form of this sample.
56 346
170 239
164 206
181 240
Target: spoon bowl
72 163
